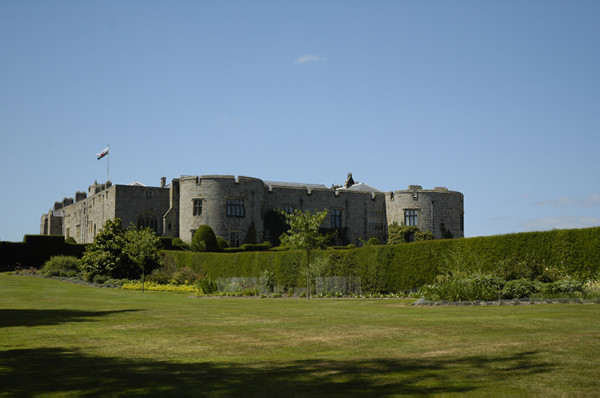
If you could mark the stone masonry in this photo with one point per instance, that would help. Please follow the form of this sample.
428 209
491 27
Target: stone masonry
230 205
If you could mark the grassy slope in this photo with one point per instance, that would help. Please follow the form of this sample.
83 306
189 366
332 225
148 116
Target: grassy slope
58 337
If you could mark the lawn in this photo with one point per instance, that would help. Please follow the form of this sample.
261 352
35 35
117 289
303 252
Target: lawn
62 338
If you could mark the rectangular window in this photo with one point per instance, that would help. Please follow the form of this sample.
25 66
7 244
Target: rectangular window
289 209
410 217
149 194
235 208
197 207
235 239
375 220
336 218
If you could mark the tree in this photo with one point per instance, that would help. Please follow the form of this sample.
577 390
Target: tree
117 253
141 247
304 234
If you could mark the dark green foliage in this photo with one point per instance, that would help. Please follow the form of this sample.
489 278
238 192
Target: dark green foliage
166 243
336 236
274 226
543 256
206 286
35 250
421 236
256 248
118 253
223 244
398 234
520 288
70 240
251 235
563 286
373 242
61 266
205 240
484 287
178 242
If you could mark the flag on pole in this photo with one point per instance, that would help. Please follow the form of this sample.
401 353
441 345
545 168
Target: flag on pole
102 154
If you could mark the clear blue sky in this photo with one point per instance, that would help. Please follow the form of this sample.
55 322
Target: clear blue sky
499 100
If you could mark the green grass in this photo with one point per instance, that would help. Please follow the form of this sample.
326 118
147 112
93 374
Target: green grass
60 338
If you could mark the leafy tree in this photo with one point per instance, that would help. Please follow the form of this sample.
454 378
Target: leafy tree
119 253
205 240
141 247
304 234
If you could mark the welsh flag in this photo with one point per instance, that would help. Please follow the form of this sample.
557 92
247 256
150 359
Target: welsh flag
102 154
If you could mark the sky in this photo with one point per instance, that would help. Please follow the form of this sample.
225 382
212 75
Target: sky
499 100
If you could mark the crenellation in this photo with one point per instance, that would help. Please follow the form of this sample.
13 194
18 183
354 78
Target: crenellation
230 204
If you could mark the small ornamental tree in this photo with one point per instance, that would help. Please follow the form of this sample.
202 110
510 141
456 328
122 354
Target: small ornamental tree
205 240
304 234
141 247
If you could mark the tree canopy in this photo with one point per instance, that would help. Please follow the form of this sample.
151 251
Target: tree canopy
304 234
120 253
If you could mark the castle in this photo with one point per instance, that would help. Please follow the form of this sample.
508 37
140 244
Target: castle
233 206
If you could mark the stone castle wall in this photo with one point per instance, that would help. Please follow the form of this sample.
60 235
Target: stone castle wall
363 214
433 207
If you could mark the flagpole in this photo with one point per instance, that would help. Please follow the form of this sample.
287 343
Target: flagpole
108 164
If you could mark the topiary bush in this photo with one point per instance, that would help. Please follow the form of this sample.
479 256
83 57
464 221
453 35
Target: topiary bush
222 243
205 240
373 242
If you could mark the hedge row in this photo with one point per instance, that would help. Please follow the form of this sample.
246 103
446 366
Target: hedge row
404 267
35 250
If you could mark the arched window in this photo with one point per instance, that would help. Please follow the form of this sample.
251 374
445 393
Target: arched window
148 220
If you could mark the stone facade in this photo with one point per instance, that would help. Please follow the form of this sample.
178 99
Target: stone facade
230 205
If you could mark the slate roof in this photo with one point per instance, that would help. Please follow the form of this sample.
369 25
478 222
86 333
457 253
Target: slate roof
361 187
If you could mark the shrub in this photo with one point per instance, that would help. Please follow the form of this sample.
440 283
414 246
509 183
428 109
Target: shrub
206 286
373 242
267 280
56 264
70 240
205 240
222 243
520 288
563 286
475 287
177 242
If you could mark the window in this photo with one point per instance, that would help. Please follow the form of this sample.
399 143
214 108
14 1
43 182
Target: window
375 220
289 209
197 207
235 239
336 218
148 220
235 208
149 194
410 217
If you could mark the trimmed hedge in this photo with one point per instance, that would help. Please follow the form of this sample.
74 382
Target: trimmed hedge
35 250
404 267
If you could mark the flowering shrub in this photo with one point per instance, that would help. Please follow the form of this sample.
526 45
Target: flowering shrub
158 287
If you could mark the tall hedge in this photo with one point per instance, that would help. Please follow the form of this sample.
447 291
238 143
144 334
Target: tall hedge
392 268
35 250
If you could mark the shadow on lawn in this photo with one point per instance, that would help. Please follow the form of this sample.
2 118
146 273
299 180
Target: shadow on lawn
54 370
27 317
